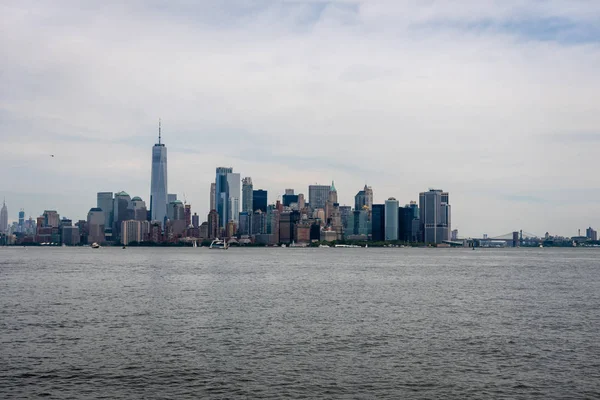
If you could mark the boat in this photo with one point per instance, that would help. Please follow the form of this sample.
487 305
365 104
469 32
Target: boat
218 244
283 245
323 246
95 245
195 244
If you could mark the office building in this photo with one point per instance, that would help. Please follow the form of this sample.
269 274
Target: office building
131 231
289 199
318 196
364 198
187 211
104 201
360 222
247 195
222 194
259 200
301 201
140 212
378 222
259 223
435 216
51 219
406 216
70 235
122 211
214 226
591 234
95 225
233 183
391 219
171 197
245 224
4 218
158 185
21 228
196 220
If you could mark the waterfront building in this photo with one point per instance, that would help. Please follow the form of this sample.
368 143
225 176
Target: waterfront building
247 195
95 225
259 200
332 199
391 219
158 185
302 232
104 201
435 216
287 223
378 222
318 195
360 223
406 216
176 216
591 234
70 235
4 218
364 198
346 217
131 231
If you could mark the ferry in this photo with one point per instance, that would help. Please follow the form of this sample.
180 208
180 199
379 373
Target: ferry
218 244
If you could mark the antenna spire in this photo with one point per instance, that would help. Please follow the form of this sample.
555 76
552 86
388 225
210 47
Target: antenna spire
159 131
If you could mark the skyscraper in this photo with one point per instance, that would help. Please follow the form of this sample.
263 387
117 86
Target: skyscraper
122 211
247 195
21 221
233 182
105 202
318 195
95 225
222 194
259 200
140 212
391 219
378 223
435 216
364 198
212 196
158 186
4 218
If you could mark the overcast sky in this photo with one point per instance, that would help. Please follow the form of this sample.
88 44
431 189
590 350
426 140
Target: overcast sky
496 102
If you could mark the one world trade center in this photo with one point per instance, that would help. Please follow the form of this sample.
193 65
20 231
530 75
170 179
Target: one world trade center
158 186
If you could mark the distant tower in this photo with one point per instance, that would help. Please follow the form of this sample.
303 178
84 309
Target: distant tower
158 186
3 218
21 221
212 196
391 219
434 208
247 193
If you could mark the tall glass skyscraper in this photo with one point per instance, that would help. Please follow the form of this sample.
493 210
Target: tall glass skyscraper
4 218
391 219
105 203
158 186
435 221
222 195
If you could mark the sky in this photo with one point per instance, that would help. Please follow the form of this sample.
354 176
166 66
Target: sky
496 102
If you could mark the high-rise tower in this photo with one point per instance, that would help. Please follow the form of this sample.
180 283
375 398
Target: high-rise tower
158 186
435 221
247 192
3 218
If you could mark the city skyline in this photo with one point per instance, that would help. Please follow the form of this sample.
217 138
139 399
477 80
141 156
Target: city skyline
496 105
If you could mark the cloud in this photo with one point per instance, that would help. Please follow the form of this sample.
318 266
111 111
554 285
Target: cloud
401 95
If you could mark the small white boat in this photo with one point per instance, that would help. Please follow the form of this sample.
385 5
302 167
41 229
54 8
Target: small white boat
95 245
195 244
218 244
323 245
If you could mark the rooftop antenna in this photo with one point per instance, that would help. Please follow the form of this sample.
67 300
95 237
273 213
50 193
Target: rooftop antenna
159 131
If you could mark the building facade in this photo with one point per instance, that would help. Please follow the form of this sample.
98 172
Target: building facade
318 196
435 218
364 198
259 200
378 223
3 218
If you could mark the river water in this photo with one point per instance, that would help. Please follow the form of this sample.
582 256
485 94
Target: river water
299 323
